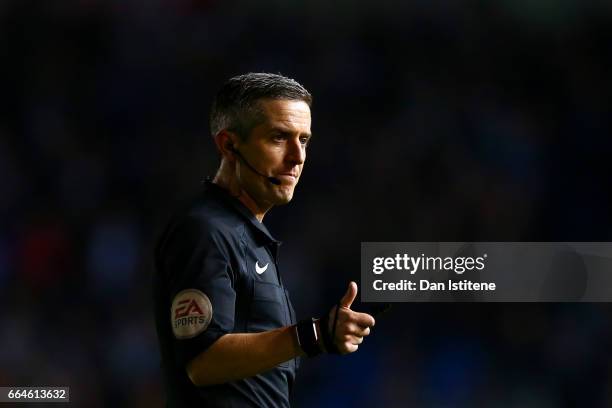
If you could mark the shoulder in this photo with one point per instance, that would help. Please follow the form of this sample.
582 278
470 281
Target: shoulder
204 224
215 220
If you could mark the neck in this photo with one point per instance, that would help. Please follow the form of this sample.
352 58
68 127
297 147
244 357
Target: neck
227 179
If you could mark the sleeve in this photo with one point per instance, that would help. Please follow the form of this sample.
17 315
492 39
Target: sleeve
200 288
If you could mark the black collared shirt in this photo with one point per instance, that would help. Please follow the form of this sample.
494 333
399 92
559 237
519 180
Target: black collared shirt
217 273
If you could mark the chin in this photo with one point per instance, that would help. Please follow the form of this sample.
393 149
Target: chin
283 197
283 200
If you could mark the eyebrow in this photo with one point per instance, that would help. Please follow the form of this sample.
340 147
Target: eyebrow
286 132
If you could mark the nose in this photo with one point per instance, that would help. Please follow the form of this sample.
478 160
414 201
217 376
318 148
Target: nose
296 152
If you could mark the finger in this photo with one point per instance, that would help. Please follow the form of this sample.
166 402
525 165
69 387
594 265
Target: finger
355 329
350 295
362 319
364 332
350 348
351 339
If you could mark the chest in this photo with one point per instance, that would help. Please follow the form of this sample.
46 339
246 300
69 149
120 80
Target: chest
262 302
260 264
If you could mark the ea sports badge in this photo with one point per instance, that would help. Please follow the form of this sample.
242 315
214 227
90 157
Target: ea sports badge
190 314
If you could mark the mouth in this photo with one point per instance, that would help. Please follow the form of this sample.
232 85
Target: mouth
290 177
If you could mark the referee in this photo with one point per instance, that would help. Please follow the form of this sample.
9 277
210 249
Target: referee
227 330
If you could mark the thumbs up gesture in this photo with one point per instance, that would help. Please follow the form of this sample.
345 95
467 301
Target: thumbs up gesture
350 327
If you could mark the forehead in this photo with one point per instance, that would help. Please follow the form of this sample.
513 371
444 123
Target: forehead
290 115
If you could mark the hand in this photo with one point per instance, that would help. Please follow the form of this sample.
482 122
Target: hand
351 327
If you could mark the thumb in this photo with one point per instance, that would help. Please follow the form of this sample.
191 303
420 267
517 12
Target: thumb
350 295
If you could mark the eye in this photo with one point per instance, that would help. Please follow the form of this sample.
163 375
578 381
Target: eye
304 141
278 137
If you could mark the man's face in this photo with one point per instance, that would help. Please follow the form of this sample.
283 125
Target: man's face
277 148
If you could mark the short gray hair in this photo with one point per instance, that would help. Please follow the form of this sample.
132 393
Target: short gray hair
235 107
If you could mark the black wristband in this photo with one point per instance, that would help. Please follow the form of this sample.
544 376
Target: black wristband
307 337
326 336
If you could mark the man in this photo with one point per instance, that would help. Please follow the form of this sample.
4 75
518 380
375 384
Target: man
226 326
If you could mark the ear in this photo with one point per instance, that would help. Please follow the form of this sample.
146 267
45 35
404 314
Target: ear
226 142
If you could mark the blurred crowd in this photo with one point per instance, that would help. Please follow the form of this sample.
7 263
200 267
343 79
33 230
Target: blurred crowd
432 121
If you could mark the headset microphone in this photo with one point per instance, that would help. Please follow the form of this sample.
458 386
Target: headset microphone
272 180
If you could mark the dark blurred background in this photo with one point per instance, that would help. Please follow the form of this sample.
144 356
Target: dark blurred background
446 120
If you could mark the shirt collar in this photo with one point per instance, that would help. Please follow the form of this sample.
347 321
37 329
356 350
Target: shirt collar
237 205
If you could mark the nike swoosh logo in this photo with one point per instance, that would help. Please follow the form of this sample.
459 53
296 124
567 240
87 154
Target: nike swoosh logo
260 269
